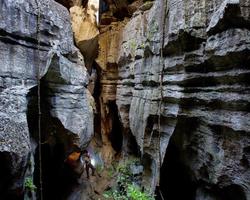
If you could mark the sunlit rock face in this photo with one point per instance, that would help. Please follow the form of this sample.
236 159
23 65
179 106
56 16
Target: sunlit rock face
109 40
64 78
84 24
188 62
112 23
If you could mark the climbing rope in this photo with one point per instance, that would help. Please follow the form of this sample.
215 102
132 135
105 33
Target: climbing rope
161 73
39 98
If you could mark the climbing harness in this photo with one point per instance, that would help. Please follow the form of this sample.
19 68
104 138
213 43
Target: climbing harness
39 98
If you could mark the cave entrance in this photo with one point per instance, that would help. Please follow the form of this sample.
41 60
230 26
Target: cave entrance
115 136
57 178
176 180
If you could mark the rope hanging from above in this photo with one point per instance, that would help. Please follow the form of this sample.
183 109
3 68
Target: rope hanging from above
161 74
39 98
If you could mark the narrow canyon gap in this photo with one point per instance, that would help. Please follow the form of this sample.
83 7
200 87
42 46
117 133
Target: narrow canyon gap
157 92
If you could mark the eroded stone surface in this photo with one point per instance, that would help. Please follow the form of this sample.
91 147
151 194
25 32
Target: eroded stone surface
205 69
59 63
84 25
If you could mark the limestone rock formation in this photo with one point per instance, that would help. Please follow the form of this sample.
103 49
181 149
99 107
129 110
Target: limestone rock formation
63 86
84 25
171 86
183 75
109 40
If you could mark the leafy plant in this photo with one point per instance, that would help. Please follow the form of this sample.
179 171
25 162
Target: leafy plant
29 185
135 193
124 189
131 192
114 195
133 47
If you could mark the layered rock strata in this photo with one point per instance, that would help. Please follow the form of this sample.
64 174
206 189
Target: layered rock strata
60 67
185 64
107 62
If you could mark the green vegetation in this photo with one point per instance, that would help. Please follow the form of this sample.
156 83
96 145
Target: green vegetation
135 193
142 46
125 188
29 185
133 47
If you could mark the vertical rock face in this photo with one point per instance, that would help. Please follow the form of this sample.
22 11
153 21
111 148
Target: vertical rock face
84 25
187 62
63 76
109 40
175 76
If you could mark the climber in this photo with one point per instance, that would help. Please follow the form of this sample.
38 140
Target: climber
88 164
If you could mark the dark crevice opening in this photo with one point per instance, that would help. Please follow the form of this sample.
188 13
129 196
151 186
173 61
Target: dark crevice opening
132 145
58 179
8 179
115 135
176 180
149 130
233 192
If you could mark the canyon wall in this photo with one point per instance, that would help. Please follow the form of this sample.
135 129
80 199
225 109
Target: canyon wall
183 75
171 86
37 41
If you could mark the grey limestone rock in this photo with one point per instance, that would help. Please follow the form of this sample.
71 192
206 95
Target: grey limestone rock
61 69
205 80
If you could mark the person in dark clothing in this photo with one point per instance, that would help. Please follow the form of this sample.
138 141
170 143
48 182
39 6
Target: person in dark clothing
88 164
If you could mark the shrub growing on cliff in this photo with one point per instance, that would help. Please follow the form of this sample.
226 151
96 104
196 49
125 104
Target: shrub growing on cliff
29 185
